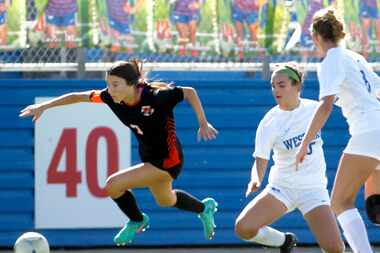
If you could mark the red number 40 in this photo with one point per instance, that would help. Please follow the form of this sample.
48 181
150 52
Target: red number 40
71 175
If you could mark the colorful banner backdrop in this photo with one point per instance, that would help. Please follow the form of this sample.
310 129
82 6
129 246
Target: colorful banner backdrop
60 23
185 27
122 25
223 28
12 20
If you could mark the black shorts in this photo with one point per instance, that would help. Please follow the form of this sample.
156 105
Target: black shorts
174 171
171 164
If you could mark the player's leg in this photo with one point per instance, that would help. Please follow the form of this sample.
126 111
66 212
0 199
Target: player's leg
239 27
165 196
70 35
193 25
3 34
314 204
51 34
365 37
372 196
253 32
3 28
251 224
68 26
183 37
353 171
322 223
52 24
128 42
377 31
115 42
252 21
118 187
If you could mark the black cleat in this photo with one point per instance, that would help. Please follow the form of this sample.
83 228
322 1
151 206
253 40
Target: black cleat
290 242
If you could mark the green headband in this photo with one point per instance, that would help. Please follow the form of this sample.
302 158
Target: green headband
291 73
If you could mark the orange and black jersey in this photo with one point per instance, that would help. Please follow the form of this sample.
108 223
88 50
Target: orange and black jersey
152 122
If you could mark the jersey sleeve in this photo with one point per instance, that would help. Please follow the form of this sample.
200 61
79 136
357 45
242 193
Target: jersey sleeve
170 96
100 96
95 96
331 76
264 140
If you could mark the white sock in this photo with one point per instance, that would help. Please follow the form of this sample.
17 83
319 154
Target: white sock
269 237
353 227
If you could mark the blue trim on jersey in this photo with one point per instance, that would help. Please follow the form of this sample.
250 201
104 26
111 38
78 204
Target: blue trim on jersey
61 21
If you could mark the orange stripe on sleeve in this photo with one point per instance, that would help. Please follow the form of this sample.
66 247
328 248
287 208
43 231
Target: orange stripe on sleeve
95 96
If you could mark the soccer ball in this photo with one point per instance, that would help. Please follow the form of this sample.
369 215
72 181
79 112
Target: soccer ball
31 242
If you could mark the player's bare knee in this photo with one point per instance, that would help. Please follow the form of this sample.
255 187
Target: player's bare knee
111 188
244 230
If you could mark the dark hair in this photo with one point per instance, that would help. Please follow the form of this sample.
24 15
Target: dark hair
130 71
328 26
292 70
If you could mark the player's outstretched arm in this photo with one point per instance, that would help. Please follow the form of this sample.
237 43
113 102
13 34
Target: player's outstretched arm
257 174
318 121
36 110
206 130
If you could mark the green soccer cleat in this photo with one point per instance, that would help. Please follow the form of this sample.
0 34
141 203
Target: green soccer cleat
207 217
129 231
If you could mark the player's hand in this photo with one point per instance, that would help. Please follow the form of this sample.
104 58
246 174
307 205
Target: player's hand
34 111
206 132
252 187
301 155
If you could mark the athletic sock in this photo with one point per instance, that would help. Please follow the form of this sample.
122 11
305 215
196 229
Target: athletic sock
269 237
354 230
127 204
187 202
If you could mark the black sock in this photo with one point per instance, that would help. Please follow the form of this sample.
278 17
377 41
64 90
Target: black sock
127 204
187 202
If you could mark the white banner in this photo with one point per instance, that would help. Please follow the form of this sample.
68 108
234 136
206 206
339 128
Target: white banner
76 148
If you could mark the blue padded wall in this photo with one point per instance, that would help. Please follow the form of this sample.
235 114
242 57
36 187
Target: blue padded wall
234 103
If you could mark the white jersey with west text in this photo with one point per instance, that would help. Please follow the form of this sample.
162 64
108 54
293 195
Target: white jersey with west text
282 131
349 77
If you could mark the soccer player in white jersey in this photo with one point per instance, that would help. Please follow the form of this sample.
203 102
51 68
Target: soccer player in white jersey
282 130
346 79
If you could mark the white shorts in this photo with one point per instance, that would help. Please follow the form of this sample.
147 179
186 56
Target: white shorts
366 144
304 200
